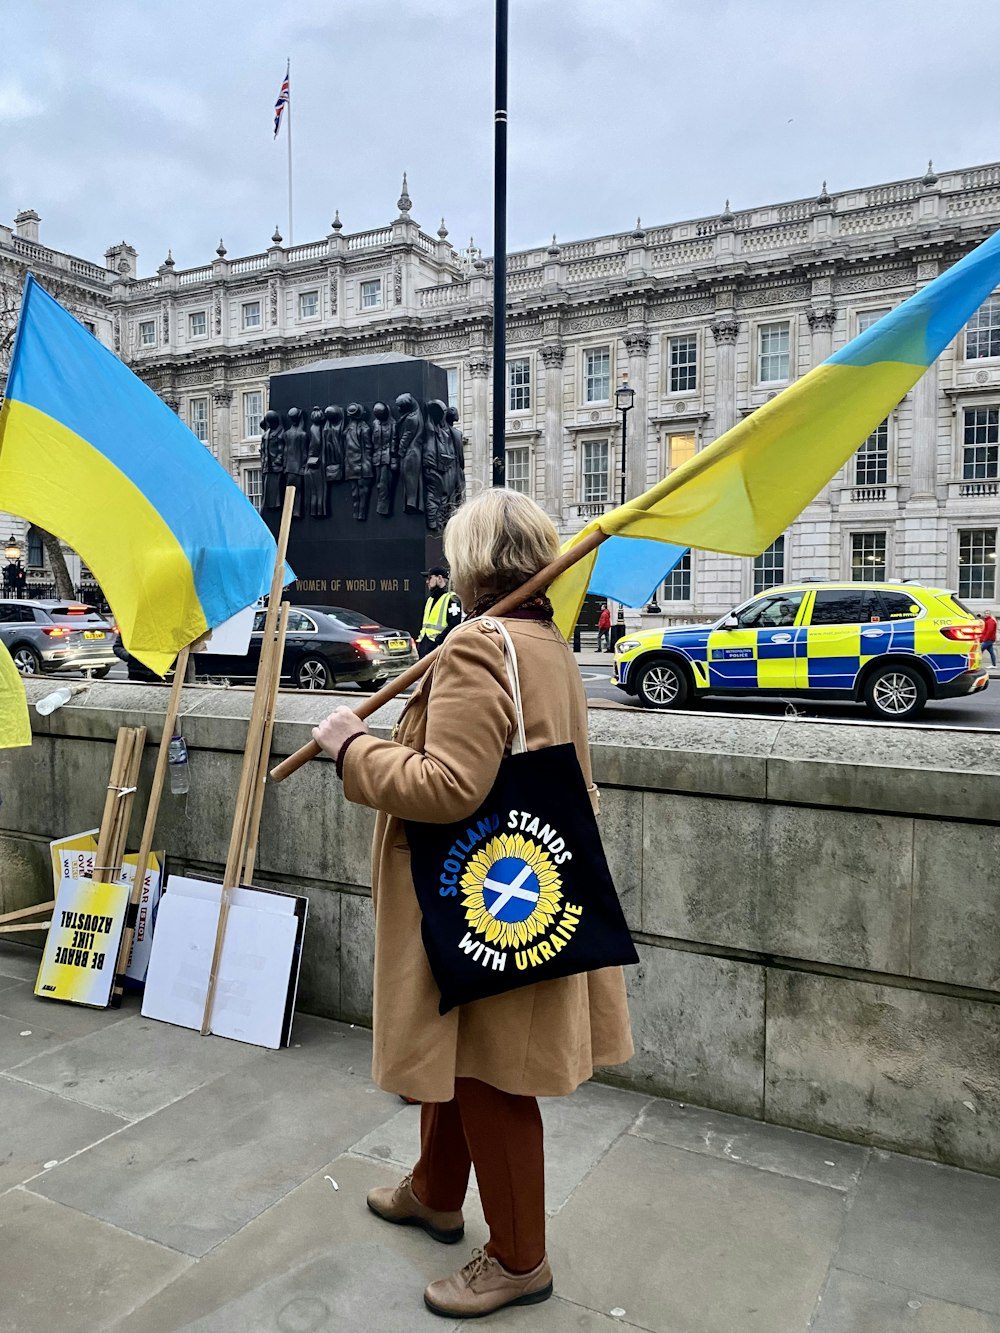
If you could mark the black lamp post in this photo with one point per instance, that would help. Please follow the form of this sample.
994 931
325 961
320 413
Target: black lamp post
13 575
624 398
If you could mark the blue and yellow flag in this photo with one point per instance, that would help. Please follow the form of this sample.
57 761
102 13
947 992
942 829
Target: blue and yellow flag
742 492
92 454
15 727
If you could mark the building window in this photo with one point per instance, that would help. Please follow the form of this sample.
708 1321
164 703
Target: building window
679 449
252 487
982 333
253 410
518 469
769 567
868 557
677 585
308 305
519 385
866 318
871 463
147 333
36 551
772 361
977 562
90 326
453 386
371 294
683 364
595 472
597 375
198 418
981 444
251 314
197 324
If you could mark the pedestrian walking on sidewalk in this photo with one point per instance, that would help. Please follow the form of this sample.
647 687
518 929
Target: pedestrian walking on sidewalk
604 630
478 1069
989 636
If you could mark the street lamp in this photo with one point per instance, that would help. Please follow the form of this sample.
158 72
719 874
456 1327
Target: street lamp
13 575
624 398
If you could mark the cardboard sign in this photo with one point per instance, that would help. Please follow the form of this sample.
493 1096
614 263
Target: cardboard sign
258 970
81 948
74 857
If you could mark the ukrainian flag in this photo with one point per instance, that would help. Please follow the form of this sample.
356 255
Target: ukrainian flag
744 490
92 454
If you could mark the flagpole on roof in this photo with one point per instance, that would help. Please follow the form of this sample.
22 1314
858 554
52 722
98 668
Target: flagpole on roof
499 455
288 108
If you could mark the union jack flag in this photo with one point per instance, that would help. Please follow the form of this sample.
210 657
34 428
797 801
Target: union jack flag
281 103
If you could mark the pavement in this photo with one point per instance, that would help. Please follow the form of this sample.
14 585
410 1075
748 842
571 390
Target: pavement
154 1180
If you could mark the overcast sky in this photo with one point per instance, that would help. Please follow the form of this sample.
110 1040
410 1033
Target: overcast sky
151 120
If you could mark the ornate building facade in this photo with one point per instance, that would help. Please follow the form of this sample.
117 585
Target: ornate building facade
708 318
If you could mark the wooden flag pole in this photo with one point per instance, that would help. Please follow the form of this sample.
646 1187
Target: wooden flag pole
251 759
149 825
407 678
253 828
21 912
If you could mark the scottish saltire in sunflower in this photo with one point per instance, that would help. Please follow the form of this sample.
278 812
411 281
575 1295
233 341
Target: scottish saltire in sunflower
741 492
15 728
92 454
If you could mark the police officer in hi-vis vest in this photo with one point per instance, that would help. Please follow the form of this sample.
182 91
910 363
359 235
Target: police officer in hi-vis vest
442 610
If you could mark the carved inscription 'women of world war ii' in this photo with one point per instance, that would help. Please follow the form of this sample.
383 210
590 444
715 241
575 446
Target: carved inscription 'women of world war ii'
419 443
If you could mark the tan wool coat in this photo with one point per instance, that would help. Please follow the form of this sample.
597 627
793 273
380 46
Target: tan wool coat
541 1040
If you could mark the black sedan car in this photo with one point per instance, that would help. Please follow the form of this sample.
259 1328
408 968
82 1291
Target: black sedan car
324 646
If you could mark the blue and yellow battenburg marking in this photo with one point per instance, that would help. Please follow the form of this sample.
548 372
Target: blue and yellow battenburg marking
90 453
744 490
815 657
511 892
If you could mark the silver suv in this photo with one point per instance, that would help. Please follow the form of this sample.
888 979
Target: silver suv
51 636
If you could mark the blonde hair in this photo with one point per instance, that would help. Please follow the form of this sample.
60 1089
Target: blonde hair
497 540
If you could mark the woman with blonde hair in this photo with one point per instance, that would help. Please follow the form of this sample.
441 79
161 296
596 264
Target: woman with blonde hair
477 1069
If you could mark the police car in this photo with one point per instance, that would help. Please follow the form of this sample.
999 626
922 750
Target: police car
892 646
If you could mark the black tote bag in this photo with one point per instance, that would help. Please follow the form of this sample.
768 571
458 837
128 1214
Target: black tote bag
519 892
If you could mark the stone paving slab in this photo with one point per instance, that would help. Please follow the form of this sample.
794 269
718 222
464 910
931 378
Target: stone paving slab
932 1228
685 1243
194 1173
788 1152
854 1304
62 1272
38 1127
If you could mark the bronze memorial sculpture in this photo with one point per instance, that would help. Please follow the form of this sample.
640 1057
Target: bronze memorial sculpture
372 449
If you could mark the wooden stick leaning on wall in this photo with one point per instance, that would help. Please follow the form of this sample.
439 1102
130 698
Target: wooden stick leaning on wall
22 912
407 678
251 758
257 806
149 824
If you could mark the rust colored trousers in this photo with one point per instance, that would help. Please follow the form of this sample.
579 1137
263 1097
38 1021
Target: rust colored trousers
501 1135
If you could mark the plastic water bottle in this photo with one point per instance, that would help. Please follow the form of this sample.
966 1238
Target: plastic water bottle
54 700
177 760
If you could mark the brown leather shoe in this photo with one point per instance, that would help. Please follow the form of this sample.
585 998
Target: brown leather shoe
484 1285
401 1205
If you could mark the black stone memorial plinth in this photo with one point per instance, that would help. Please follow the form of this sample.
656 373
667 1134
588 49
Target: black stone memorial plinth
371 564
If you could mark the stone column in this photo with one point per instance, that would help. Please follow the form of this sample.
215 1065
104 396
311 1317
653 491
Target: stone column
552 501
222 399
725 331
821 324
637 345
478 465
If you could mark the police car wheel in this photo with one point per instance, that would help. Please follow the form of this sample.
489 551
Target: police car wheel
895 693
662 685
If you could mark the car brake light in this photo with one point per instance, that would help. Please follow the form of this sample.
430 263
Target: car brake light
367 645
55 631
962 632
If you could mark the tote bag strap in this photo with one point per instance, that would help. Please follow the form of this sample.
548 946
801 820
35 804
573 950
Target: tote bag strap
519 744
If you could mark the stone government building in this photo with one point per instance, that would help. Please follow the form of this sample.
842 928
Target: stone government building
709 318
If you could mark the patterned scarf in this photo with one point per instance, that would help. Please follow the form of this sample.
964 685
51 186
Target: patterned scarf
535 608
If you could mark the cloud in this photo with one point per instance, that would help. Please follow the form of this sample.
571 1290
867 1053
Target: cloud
17 104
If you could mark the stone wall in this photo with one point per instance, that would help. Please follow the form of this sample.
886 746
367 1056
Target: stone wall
815 905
